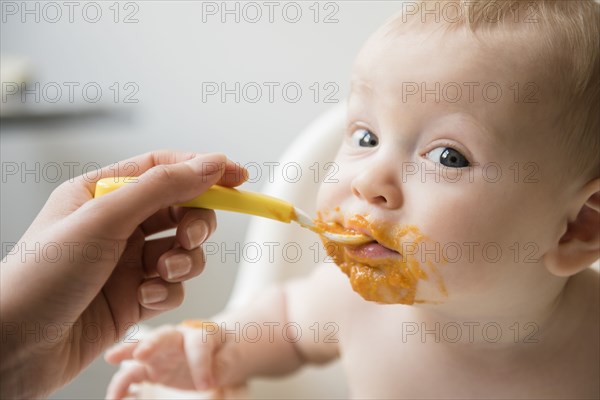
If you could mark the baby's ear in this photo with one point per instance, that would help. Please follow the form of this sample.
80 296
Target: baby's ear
579 246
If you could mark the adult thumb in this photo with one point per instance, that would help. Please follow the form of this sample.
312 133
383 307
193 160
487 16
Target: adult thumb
117 214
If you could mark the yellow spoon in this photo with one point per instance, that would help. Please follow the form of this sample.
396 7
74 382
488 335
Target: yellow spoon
241 201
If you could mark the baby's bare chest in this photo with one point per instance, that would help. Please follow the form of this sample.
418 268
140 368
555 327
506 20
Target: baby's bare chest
383 361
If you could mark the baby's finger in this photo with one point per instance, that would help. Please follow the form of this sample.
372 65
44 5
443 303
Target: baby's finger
120 352
160 343
131 372
200 346
157 295
178 265
195 227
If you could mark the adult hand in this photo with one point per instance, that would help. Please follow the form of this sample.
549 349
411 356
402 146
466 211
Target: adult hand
83 273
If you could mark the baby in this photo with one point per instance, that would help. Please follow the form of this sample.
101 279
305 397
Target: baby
471 160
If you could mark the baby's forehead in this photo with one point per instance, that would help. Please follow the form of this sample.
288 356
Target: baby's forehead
435 75
448 59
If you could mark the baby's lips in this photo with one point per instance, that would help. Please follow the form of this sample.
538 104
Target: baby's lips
373 250
363 223
374 230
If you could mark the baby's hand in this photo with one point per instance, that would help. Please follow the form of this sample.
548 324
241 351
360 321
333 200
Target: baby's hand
181 357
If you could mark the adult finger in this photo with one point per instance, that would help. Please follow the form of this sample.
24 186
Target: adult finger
182 218
118 213
156 295
195 227
178 264
234 174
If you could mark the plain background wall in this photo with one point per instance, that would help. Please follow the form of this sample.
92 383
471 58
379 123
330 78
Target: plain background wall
168 55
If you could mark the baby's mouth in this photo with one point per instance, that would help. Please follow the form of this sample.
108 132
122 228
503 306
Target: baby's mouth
372 250
377 271
376 249
381 270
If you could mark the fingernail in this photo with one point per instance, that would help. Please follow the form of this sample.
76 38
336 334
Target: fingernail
197 233
178 265
154 293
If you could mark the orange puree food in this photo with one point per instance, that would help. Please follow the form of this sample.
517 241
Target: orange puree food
389 280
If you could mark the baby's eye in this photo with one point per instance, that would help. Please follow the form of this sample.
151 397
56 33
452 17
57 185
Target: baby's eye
448 157
364 138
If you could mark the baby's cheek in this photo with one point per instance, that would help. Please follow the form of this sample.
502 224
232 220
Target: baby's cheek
472 254
449 222
324 198
336 191
331 196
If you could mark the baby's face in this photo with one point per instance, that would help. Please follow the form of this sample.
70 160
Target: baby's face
448 156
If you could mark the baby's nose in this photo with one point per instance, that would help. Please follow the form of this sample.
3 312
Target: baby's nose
378 187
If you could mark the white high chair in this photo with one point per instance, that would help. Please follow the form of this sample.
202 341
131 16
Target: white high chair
312 152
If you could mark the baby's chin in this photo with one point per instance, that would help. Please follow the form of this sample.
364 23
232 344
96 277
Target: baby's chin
392 285
381 286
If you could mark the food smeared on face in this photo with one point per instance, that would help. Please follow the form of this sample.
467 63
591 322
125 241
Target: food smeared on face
378 270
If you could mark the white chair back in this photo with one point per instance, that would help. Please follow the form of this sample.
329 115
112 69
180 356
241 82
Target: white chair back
295 250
